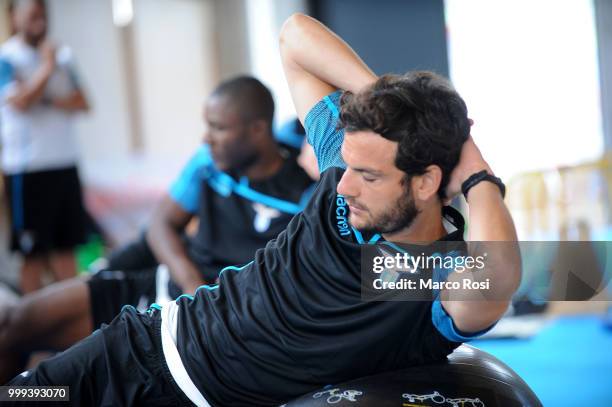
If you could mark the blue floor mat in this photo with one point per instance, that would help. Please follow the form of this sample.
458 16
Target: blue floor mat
568 363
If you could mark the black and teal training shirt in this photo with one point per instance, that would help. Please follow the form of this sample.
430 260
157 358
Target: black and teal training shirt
236 217
293 319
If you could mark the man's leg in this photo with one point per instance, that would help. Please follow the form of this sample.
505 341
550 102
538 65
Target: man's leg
53 318
33 202
119 364
58 316
8 299
63 264
31 273
70 227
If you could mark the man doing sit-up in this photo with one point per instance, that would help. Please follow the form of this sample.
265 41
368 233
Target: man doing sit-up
391 150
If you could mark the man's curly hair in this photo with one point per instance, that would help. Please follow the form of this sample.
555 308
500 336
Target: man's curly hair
419 110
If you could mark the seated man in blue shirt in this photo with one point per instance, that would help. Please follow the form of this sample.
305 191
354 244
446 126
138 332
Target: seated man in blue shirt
391 150
241 186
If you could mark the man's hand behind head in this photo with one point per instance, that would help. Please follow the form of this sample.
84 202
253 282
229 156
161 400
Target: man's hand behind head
470 162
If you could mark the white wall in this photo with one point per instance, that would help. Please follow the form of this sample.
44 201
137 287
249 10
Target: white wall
265 19
176 65
87 27
232 44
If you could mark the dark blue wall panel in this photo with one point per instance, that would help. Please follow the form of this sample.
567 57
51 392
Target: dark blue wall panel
390 35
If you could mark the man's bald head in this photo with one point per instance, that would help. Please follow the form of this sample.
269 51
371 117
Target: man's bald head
251 98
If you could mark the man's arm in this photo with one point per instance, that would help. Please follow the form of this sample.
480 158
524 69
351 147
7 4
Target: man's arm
74 102
490 223
28 93
164 237
317 62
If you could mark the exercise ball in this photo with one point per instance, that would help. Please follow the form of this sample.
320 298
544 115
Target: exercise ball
468 378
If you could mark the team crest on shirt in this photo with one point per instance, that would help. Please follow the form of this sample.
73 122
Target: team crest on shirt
263 216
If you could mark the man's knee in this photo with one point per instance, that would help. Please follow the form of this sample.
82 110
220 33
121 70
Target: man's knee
13 324
6 310
24 379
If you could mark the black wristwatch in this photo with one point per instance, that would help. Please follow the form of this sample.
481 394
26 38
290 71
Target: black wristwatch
482 176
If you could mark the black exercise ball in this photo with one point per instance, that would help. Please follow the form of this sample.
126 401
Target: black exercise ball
469 378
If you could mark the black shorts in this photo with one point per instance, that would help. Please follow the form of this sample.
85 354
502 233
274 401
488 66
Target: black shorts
111 290
136 255
121 364
46 209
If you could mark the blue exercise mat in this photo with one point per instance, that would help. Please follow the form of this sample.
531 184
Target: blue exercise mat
568 363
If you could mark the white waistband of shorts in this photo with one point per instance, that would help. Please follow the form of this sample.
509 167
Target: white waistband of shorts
162 278
169 316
